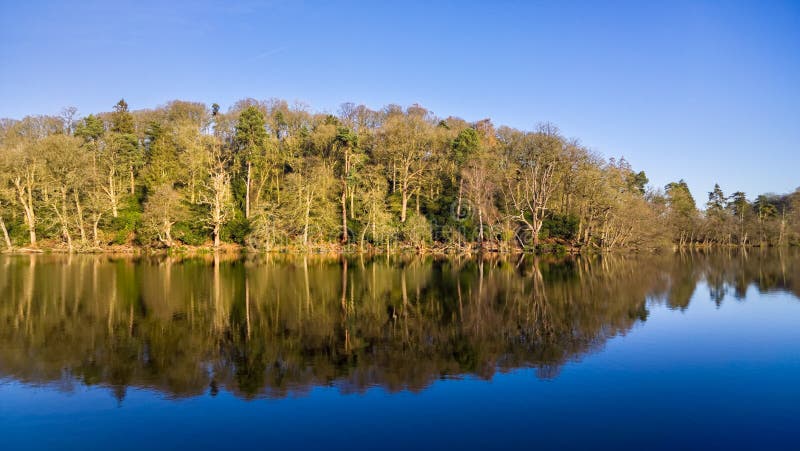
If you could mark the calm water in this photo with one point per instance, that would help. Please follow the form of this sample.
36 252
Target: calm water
665 352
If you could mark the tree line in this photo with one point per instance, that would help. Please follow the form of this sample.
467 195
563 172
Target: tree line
266 175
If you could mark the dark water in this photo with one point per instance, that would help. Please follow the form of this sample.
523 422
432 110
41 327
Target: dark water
659 352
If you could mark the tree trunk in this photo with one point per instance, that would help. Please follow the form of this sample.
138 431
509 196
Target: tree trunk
95 236
480 230
307 215
247 192
168 232
586 234
535 230
404 204
64 229
63 217
220 186
112 195
363 235
68 236
5 233
79 210
25 197
374 236
259 190
133 182
344 211
31 220
460 196
352 203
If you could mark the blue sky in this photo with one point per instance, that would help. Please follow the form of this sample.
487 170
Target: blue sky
705 91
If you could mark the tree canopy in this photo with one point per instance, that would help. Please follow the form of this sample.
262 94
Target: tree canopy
268 176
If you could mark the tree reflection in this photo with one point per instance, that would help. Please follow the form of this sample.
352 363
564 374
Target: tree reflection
272 325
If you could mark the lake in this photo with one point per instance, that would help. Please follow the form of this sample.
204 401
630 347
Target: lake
670 351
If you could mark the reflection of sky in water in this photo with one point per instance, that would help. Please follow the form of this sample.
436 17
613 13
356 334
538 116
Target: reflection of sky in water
707 376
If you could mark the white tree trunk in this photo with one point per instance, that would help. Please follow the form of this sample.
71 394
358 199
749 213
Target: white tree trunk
5 233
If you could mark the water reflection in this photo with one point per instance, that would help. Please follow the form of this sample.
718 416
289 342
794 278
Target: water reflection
271 326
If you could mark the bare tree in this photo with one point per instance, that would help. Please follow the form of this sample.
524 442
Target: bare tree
216 192
531 177
406 145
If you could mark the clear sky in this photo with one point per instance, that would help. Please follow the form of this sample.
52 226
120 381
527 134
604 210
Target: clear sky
705 91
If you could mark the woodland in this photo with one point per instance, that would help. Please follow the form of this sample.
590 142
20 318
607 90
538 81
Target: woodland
269 176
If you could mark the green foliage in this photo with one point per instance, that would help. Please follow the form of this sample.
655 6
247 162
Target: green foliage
682 214
154 131
680 197
163 166
122 119
251 131
89 128
17 230
559 226
766 206
237 229
638 181
267 175
739 204
238 190
346 137
188 234
123 228
717 202
192 231
417 230
465 144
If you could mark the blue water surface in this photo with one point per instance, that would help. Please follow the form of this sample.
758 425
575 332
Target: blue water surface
705 376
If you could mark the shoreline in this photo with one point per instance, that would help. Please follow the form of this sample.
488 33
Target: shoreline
333 249
323 249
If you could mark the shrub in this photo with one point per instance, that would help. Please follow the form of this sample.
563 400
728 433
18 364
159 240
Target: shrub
236 230
559 226
126 224
417 230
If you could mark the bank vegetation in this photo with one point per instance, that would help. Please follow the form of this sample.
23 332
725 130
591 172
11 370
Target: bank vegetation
268 176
